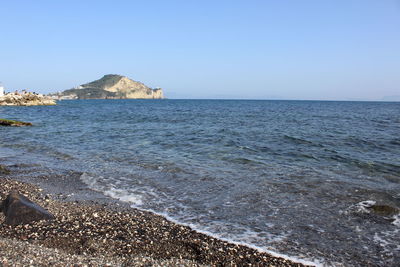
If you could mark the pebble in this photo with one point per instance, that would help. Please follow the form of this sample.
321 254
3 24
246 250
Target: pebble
99 235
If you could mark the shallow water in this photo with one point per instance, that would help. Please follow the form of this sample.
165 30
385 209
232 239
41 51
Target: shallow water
294 177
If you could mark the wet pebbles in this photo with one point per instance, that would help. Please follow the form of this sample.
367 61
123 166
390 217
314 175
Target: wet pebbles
90 234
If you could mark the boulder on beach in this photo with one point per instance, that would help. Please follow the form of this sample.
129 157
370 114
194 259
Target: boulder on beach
18 209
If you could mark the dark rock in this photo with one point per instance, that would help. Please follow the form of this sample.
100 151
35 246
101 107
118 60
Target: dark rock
384 210
4 170
4 122
20 210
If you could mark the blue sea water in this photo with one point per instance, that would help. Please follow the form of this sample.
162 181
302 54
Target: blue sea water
297 178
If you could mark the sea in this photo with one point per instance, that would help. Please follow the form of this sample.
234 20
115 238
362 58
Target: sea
317 181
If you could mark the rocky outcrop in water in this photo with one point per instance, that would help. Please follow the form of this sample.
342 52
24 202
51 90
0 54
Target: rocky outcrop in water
111 86
4 122
25 99
383 210
4 170
20 210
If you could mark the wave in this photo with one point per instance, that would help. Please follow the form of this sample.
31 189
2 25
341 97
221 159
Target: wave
370 166
39 149
136 202
298 140
395 141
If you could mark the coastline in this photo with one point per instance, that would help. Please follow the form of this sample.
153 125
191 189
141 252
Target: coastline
93 229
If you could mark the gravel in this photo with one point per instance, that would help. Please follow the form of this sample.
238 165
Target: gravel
87 233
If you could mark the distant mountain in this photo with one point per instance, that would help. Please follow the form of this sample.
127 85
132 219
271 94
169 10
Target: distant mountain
111 86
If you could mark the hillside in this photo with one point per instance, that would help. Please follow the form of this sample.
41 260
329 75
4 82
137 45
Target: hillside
112 86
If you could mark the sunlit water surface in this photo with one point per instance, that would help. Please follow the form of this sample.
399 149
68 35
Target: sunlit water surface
295 177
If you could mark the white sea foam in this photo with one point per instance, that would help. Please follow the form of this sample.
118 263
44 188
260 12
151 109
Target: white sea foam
379 240
305 261
247 237
123 196
396 220
385 240
89 180
360 207
220 231
364 205
110 191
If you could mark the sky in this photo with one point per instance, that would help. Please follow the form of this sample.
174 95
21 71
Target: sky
286 49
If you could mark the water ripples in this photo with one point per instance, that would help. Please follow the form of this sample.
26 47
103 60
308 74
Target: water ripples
280 175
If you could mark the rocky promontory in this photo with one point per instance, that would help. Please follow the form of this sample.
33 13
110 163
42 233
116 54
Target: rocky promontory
25 99
111 86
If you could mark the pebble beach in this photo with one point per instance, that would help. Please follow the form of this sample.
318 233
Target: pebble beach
93 232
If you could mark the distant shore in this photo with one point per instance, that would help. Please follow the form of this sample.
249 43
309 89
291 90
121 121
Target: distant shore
101 231
25 99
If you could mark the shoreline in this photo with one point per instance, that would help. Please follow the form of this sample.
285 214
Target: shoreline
88 217
91 228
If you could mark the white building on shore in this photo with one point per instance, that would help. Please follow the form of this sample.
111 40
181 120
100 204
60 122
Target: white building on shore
2 91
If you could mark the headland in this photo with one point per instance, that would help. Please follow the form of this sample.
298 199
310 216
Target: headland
111 86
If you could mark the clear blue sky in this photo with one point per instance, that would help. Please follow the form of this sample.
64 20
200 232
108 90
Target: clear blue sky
333 49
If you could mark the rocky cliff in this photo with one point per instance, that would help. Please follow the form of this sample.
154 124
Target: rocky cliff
112 86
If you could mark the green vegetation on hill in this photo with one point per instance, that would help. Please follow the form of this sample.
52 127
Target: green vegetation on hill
90 93
106 81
